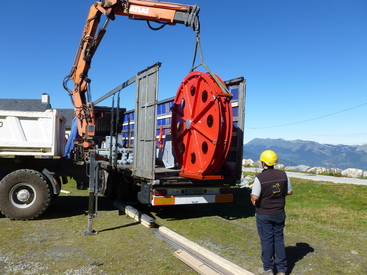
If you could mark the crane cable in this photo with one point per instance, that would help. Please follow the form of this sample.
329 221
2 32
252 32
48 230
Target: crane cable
193 67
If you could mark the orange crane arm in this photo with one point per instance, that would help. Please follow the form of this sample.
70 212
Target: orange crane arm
163 12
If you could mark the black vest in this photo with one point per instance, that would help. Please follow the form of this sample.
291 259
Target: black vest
274 189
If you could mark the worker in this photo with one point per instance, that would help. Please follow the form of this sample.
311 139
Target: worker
268 194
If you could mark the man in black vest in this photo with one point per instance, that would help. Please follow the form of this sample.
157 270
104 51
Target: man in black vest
268 194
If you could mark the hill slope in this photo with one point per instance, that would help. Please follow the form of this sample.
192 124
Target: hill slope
296 152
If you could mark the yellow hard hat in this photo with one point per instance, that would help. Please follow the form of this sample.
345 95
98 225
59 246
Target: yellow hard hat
269 157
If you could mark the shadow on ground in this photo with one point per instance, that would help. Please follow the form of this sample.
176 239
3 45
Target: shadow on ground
297 253
69 206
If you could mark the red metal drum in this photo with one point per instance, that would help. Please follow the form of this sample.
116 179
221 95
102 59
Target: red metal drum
201 125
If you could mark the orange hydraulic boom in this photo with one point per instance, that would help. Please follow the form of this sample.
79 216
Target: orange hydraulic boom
162 12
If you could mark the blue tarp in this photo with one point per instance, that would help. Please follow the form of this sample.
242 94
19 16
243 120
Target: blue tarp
69 146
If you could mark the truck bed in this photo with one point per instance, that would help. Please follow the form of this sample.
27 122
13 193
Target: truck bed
32 133
162 174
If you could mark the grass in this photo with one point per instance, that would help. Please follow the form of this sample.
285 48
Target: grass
55 244
334 214
326 232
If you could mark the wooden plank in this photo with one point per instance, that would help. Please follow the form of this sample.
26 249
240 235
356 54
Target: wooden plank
194 263
225 264
144 219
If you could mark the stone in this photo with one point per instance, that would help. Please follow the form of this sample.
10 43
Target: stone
352 173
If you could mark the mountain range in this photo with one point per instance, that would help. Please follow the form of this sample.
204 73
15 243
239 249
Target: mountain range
310 153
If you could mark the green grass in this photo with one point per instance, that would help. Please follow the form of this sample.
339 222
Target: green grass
326 229
325 234
336 216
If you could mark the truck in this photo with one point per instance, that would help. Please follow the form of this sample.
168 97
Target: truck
183 150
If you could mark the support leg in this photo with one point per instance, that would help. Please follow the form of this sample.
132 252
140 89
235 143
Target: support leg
93 193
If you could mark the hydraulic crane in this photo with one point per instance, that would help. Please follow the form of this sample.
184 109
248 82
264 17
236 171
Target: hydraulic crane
161 12
204 159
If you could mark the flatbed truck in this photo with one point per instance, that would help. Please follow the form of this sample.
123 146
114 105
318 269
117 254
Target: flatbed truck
190 153
34 166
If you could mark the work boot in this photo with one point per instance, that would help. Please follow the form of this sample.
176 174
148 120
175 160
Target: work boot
262 271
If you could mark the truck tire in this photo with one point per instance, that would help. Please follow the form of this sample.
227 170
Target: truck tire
24 194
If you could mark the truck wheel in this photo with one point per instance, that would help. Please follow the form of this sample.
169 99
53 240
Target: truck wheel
24 194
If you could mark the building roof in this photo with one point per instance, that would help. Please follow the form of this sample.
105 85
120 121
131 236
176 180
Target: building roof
33 105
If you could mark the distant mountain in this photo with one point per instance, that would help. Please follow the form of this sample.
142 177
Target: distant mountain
310 153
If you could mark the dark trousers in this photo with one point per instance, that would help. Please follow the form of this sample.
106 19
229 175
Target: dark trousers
271 233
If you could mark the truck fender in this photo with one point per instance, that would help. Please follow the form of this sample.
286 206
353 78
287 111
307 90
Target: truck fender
55 182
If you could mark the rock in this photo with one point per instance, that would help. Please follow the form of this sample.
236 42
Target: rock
247 162
280 166
298 168
317 170
258 164
334 171
352 173
302 168
323 170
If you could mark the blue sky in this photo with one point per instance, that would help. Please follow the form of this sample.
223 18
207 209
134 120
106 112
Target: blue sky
305 61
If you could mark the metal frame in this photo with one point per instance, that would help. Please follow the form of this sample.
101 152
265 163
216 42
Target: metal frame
145 126
239 126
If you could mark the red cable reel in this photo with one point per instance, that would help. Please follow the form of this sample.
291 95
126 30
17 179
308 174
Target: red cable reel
201 125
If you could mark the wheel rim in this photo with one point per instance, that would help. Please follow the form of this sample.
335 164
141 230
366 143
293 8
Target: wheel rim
201 125
22 195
